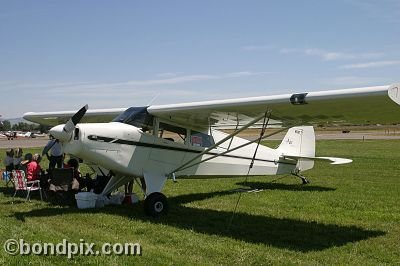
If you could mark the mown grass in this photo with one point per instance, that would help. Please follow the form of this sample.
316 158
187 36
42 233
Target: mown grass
349 214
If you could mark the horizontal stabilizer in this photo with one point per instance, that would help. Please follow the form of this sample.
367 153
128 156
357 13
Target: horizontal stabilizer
333 160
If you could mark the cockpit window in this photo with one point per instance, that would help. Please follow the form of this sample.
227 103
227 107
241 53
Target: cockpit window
172 133
201 139
136 116
140 118
76 133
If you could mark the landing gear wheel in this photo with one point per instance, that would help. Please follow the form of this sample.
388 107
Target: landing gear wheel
156 204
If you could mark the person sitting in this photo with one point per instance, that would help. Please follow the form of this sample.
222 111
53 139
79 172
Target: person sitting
77 182
81 181
18 158
9 160
33 169
73 163
24 163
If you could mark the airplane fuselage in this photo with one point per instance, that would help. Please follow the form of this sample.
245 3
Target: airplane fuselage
129 151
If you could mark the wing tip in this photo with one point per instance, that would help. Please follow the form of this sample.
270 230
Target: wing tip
341 161
394 92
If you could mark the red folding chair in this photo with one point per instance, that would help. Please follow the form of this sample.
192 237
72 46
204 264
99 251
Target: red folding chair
21 184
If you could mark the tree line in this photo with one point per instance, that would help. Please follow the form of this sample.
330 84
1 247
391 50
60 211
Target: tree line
5 125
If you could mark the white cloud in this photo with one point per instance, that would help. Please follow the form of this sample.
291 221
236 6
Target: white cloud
371 64
288 50
244 74
168 74
128 89
330 55
161 81
110 88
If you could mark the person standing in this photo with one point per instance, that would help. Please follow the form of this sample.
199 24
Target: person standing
56 153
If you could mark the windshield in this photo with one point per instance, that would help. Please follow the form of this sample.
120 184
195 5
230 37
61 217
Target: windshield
136 116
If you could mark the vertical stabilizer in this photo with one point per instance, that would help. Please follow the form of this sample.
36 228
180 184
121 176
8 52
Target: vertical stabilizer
299 141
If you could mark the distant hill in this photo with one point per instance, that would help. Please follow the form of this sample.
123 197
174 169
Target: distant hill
14 121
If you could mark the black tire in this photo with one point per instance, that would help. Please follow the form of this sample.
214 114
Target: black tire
156 204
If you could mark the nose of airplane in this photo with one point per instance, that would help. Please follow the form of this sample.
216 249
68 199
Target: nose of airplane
59 133
64 132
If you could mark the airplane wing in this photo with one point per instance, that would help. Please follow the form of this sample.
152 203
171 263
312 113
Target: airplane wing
369 105
61 117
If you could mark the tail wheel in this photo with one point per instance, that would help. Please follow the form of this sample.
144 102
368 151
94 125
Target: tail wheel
156 204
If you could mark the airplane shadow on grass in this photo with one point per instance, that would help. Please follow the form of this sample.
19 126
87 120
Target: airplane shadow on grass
284 233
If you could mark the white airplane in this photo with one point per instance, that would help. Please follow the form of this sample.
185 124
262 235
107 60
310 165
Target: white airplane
10 135
22 134
151 143
29 134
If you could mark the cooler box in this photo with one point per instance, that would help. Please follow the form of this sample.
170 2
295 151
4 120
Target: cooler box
86 200
100 202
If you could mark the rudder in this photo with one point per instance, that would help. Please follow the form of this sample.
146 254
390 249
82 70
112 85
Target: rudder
299 141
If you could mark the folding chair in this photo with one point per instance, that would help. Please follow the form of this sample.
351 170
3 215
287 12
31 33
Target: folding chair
21 184
60 186
61 179
7 177
9 180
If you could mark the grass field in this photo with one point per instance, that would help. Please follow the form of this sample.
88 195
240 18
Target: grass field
349 214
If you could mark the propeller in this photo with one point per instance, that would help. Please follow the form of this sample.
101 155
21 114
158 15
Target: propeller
74 120
63 133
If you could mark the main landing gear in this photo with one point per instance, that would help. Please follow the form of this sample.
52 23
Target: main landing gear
303 178
156 204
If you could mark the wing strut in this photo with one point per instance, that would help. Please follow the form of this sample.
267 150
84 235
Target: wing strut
236 127
265 124
236 148
252 122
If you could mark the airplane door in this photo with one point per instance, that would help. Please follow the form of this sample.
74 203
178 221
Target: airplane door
168 152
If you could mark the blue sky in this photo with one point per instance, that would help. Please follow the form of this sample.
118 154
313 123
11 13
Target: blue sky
60 55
